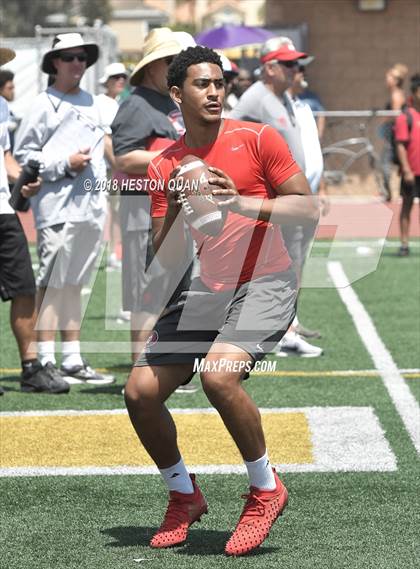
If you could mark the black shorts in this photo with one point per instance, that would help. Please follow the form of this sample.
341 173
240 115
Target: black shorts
410 190
16 274
253 317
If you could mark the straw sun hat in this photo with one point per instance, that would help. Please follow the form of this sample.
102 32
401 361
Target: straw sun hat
6 55
159 43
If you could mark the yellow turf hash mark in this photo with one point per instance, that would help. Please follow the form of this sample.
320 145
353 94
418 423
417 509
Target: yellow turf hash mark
109 440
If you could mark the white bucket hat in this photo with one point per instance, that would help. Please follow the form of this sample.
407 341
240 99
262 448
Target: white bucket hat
185 39
67 41
159 43
6 55
111 70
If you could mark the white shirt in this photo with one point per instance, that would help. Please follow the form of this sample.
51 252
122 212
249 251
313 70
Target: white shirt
314 163
62 197
5 207
108 108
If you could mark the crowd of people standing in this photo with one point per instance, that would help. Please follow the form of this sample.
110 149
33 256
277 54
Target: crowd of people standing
128 133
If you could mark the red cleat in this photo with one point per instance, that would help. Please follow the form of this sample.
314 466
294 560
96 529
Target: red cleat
183 510
261 510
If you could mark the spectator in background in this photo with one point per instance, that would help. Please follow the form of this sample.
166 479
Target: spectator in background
240 84
407 136
314 163
17 282
7 91
114 82
310 97
267 101
146 123
69 219
394 80
230 73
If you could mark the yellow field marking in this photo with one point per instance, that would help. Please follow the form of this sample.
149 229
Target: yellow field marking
282 373
99 440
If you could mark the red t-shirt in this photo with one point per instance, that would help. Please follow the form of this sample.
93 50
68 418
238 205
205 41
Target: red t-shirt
258 160
411 139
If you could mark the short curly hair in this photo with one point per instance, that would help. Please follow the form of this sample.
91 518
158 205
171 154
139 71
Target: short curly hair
177 72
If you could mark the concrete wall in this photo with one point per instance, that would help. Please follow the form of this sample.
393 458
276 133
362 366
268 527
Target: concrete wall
353 49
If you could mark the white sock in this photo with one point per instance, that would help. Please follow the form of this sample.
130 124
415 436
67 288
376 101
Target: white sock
261 474
71 354
295 322
177 478
46 352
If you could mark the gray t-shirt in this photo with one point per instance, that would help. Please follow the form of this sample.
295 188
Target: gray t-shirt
145 115
260 104
63 196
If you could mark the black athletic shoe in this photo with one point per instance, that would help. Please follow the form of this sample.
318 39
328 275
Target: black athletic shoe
43 379
403 251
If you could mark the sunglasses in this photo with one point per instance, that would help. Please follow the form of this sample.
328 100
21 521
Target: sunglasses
116 77
288 64
69 57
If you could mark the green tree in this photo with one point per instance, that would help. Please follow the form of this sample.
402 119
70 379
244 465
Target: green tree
94 9
19 17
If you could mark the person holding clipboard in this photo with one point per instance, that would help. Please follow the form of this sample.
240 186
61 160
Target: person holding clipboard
63 133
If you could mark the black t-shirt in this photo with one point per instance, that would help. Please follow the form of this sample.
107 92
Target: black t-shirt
144 115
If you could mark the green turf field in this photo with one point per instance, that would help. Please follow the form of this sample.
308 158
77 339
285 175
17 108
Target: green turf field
353 503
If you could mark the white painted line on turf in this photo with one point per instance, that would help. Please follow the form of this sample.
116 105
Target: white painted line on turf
404 401
326 244
344 439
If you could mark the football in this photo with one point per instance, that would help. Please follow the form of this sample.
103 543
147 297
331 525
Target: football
198 204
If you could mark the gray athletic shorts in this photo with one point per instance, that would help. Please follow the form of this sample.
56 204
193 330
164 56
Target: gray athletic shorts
67 252
253 317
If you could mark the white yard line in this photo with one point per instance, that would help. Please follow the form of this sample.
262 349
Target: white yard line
326 244
404 401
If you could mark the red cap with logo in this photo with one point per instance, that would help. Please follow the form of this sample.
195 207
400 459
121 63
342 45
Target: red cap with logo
286 51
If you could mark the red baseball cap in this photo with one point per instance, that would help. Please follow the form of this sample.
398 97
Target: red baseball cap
286 52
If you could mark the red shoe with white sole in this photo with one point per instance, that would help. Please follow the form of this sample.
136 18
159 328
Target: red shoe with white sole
183 510
261 510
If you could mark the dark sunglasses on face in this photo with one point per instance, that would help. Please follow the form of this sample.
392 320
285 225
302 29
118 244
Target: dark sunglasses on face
116 77
288 64
69 57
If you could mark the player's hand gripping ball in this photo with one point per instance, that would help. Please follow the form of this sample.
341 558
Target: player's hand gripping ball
199 206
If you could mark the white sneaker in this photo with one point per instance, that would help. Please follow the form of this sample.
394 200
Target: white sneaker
123 316
113 262
294 345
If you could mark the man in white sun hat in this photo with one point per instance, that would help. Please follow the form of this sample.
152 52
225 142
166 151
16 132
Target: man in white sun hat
147 122
63 132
